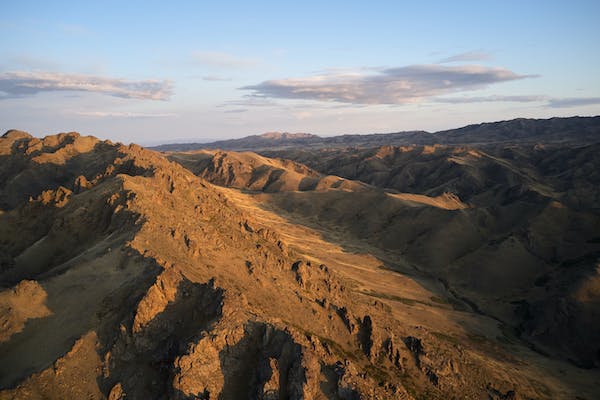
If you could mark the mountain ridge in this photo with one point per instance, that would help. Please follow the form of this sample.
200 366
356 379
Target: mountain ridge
559 131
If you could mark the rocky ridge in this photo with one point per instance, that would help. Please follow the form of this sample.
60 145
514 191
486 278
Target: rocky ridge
152 283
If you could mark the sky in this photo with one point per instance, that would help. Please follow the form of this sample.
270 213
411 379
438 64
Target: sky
159 72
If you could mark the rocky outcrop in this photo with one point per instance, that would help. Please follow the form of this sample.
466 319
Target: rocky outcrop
25 301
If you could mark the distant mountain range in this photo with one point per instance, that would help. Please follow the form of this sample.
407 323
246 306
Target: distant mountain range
572 131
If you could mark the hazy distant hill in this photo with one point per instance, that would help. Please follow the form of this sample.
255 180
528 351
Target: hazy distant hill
266 140
573 130
579 130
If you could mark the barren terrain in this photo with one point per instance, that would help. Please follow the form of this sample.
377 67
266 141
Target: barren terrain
415 272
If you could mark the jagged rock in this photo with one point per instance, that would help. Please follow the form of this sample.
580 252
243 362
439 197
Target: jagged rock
415 346
80 184
346 382
270 375
365 335
117 393
302 272
25 301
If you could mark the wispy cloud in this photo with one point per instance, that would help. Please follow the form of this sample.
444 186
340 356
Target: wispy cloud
400 85
573 102
215 78
468 56
552 102
489 99
116 114
249 101
223 60
18 84
236 110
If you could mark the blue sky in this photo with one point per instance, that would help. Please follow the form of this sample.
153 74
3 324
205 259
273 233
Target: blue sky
153 72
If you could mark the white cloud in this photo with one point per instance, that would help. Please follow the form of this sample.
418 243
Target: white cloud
400 85
115 114
489 99
249 101
17 84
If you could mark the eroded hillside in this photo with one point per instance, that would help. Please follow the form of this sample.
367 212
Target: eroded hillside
146 281
525 249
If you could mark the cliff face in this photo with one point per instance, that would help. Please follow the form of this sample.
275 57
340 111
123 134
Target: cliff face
145 281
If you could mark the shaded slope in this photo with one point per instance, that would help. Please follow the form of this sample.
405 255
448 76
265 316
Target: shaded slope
533 267
522 253
474 175
505 255
484 177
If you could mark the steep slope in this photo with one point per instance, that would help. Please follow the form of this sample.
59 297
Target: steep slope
429 170
505 255
524 266
257 173
254 172
153 285
521 252
483 176
418 298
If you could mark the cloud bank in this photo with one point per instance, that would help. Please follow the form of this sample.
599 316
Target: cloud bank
18 84
400 85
